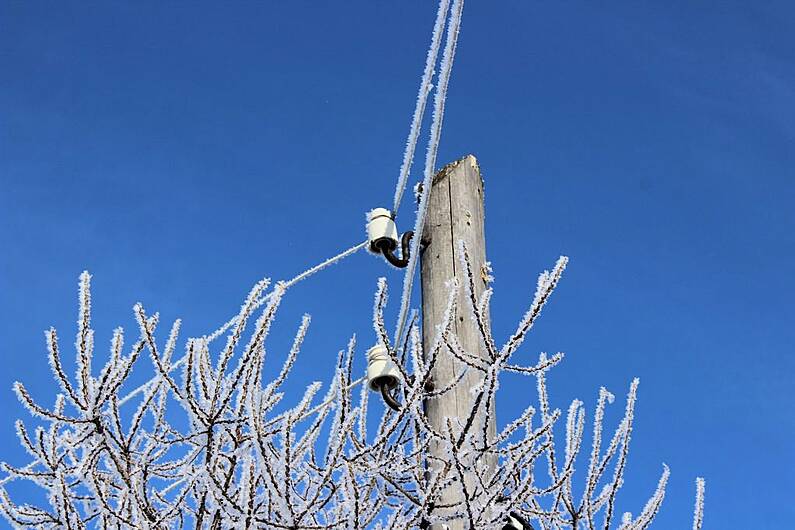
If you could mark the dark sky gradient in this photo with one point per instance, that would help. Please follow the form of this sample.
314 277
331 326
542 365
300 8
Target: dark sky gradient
182 151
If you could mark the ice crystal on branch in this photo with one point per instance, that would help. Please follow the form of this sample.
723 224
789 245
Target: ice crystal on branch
213 446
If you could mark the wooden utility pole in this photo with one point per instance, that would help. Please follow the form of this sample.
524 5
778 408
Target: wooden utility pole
455 213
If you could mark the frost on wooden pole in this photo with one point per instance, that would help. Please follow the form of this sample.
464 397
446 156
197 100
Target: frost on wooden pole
455 214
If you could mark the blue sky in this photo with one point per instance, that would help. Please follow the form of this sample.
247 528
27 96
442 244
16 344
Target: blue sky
181 152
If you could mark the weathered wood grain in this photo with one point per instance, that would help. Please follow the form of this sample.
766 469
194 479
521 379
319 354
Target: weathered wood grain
455 212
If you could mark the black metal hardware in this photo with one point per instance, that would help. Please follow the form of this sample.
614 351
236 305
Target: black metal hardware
383 386
387 248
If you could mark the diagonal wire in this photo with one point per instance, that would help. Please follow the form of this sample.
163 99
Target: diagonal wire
411 143
422 102
220 331
430 160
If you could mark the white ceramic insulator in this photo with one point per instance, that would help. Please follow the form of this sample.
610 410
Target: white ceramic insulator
380 367
380 225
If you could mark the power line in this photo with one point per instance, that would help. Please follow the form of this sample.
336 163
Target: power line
422 102
430 161
220 331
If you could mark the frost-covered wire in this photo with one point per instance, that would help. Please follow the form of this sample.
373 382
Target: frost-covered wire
257 304
422 101
289 283
440 97
322 265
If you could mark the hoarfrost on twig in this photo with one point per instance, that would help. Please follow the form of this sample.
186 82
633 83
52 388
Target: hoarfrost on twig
234 461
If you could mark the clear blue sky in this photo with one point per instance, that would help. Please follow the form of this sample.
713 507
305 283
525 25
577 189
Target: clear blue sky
180 152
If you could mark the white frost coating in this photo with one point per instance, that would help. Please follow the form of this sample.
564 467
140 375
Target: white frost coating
571 429
236 456
698 511
546 284
319 267
422 101
232 452
84 341
430 160
596 445
289 283
261 301
652 505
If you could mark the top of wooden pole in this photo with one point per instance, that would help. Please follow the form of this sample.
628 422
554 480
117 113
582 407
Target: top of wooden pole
447 170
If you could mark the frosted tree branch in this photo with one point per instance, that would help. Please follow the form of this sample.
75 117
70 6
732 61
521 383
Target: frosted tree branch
215 446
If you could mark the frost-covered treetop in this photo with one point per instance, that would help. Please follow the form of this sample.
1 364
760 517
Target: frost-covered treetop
208 443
